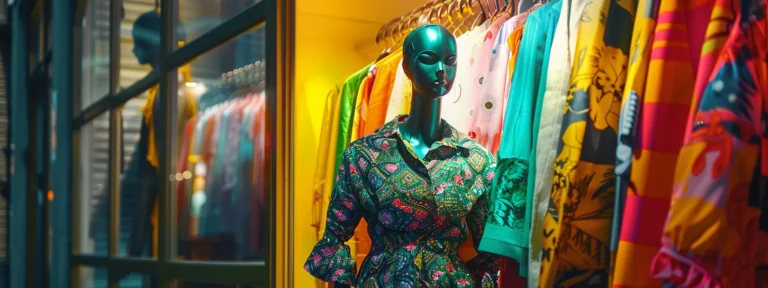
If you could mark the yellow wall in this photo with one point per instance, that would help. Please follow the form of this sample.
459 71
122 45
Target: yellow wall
323 59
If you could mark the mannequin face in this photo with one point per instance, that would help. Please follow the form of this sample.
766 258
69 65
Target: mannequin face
430 60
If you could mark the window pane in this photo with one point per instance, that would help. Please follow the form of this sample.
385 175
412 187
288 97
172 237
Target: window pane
95 52
91 211
136 280
220 195
89 277
200 16
139 40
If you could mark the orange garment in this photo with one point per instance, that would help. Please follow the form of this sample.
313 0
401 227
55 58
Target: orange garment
513 41
378 102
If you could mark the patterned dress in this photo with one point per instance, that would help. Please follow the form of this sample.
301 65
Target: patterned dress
418 210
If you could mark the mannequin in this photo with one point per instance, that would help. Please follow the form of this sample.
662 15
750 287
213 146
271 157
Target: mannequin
420 184
431 54
141 175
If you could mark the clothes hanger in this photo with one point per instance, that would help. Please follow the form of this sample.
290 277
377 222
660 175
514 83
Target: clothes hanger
382 37
444 15
481 17
512 4
380 34
525 5
500 11
465 7
458 24
434 14
448 9
424 15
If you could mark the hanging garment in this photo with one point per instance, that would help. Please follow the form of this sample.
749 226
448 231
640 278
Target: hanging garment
577 227
182 192
221 204
490 87
457 105
420 210
361 104
400 98
663 111
376 111
549 117
325 160
513 41
348 98
712 236
509 224
717 32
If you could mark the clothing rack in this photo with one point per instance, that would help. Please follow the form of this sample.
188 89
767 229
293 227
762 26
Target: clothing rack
235 83
461 15
251 75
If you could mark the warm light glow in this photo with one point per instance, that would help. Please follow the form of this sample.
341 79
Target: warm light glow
50 195
191 84
187 175
179 177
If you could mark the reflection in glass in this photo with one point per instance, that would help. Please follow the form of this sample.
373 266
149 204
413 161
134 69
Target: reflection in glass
139 184
138 180
91 198
140 40
88 277
212 285
219 183
135 280
200 16
95 52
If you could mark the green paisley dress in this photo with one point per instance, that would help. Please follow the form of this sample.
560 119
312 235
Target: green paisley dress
418 210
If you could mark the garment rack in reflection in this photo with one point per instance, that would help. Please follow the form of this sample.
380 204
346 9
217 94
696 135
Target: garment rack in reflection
242 81
248 76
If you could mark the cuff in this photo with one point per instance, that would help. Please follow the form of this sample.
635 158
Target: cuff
681 271
332 263
486 268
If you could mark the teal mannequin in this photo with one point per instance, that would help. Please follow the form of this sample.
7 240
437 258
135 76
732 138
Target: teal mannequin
429 60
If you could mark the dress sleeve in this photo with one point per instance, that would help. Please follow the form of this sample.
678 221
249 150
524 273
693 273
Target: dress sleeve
485 266
331 260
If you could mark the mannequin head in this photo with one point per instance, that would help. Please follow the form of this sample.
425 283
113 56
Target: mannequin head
429 60
146 38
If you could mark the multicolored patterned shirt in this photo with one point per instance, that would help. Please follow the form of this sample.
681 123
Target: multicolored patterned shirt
418 210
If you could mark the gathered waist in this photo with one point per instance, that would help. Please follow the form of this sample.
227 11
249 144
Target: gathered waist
412 242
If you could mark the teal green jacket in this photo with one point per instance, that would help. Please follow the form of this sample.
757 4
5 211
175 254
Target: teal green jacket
509 225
